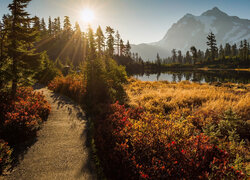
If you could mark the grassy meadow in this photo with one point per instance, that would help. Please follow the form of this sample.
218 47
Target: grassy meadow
177 114
164 97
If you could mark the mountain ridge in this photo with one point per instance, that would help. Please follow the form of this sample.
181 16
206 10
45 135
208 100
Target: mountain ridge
191 30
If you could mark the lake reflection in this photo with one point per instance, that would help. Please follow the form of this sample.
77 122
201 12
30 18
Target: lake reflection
197 76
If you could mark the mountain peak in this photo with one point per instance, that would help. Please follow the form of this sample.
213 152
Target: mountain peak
189 15
216 9
214 12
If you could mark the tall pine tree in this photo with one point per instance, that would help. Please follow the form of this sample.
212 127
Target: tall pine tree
20 50
212 45
110 40
100 38
194 53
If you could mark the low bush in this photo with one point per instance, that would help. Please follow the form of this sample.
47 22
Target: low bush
141 145
20 118
5 155
72 86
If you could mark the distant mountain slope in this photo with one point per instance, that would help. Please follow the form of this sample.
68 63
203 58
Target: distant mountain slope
192 30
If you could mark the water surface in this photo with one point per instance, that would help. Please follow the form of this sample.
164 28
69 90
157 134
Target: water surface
200 76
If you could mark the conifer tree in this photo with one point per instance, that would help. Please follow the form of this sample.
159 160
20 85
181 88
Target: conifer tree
122 48
179 57
67 27
77 36
127 49
50 26
200 55
194 54
212 45
188 58
136 57
37 24
234 50
117 41
241 50
77 29
221 52
37 27
4 67
54 27
91 44
207 55
158 59
110 40
100 40
174 56
248 47
5 26
245 50
227 49
43 27
58 24
20 50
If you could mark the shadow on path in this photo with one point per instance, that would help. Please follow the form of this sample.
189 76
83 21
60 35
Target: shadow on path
61 149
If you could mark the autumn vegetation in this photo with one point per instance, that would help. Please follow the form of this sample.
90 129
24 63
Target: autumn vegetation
141 130
22 110
169 130
19 121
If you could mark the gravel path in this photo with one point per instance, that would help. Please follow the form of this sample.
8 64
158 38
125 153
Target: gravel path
60 151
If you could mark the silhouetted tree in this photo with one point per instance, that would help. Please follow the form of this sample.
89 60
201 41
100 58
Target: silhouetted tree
245 50
174 56
50 26
188 58
67 27
221 52
158 59
127 49
117 41
91 44
234 50
110 40
43 28
100 40
122 48
24 61
212 45
227 49
180 57
194 54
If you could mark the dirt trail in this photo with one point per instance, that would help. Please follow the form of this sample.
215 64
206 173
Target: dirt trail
60 151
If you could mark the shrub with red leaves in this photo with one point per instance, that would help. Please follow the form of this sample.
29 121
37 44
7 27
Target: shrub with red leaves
21 118
129 149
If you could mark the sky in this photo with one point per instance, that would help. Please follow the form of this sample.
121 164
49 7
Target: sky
139 21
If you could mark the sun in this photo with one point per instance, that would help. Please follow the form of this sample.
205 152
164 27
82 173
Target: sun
87 15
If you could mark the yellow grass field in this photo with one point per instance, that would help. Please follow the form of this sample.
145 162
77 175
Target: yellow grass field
164 97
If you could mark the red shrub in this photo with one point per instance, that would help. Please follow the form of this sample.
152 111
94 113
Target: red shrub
134 145
21 117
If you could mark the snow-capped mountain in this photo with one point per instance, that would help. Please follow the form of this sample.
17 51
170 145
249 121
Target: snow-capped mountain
192 30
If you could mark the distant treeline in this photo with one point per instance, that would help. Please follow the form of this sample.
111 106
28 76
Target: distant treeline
229 56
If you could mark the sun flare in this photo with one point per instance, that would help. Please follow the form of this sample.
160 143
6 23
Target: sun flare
87 15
